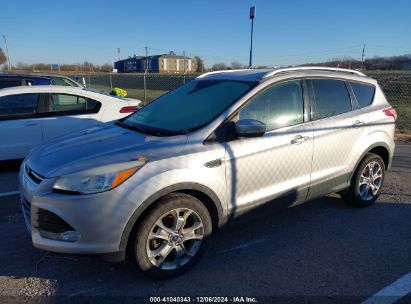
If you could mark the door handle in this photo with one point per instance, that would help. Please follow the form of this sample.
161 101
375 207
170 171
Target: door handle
358 123
299 139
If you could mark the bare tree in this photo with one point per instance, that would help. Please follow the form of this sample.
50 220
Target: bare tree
235 65
219 66
200 64
3 57
106 68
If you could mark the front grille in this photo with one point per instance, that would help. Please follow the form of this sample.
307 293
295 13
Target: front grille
50 222
35 177
25 206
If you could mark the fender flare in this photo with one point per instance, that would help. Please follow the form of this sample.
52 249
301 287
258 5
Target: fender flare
374 145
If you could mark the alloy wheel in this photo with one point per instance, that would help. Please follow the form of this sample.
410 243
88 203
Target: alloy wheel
370 180
174 239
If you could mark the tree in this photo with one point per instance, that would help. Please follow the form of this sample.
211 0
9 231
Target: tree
200 64
3 57
219 66
108 68
235 65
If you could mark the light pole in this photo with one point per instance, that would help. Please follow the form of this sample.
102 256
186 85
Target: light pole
252 16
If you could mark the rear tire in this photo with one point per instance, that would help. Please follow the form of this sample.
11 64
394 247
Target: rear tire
172 237
367 182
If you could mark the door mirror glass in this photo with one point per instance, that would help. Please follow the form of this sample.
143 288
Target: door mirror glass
249 128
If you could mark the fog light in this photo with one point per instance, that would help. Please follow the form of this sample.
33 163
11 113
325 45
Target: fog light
71 236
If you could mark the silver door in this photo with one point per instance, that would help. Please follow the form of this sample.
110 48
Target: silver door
340 132
278 164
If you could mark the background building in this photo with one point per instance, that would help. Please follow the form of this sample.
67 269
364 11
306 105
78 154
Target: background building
164 64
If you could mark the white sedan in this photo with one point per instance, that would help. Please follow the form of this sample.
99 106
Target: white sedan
32 115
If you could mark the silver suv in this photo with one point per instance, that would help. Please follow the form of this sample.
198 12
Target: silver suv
156 184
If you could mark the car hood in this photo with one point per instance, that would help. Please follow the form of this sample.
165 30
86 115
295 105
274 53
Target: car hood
99 146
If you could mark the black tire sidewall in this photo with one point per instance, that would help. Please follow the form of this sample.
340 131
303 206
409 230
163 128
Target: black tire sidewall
163 206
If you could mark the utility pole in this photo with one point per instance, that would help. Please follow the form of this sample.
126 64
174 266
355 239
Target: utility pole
252 16
184 61
144 76
146 48
7 53
118 52
362 56
184 69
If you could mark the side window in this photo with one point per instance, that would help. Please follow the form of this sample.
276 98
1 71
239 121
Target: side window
278 106
62 82
331 98
72 104
364 93
22 104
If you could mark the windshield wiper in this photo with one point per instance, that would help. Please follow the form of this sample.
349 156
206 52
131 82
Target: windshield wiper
141 129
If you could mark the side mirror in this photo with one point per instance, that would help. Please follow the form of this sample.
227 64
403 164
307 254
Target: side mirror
249 128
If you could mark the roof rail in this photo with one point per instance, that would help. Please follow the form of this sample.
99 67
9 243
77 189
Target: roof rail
317 68
217 72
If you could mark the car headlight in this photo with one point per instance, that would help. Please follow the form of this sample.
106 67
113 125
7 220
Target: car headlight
94 182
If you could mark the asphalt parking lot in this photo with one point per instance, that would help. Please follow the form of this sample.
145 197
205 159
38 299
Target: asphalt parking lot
322 248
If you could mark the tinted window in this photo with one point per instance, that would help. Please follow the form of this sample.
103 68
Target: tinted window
18 104
9 83
190 106
364 93
330 98
71 103
279 106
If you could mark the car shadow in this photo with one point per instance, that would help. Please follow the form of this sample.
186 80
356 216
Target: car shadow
321 248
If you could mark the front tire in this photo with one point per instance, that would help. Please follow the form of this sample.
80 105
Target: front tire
172 237
367 182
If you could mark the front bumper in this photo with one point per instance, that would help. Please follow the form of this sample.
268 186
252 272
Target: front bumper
98 219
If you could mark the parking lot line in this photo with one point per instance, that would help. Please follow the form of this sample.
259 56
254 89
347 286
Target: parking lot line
393 292
9 193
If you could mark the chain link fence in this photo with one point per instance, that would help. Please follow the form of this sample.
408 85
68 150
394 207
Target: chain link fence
146 87
397 89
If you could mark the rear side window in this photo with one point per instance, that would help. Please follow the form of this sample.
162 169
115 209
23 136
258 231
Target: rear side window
9 83
62 82
364 93
331 98
22 104
72 104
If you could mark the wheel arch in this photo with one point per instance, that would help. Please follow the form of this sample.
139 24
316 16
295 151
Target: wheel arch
203 193
379 148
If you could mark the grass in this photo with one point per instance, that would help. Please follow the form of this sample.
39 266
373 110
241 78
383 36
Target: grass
404 117
134 93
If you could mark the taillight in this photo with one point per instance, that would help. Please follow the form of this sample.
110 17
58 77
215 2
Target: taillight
129 109
390 112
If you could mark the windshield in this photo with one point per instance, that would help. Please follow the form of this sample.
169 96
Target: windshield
189 107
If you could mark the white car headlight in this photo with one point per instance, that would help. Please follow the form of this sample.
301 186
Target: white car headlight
83 183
